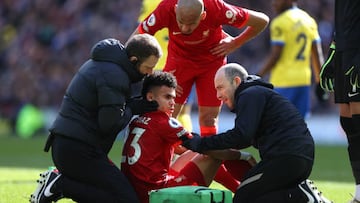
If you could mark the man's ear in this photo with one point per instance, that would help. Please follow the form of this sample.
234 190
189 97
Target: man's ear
150 96
203 15
133 59
237 80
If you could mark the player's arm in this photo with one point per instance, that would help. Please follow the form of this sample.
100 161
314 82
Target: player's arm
316 59
231 154
272 59
254 25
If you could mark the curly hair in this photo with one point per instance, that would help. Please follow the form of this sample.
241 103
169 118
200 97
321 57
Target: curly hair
158 79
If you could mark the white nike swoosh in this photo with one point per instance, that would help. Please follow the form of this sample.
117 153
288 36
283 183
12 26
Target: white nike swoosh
309 196
47 192
176 33
352 94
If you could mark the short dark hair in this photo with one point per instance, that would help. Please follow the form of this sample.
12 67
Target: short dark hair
142 46
158 79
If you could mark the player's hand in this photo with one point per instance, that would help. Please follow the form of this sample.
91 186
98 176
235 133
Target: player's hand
327 72
246 156
194 143
321 94
140 106
354 73
225 47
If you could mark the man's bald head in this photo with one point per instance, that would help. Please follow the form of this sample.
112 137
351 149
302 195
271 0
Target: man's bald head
196 6
189 13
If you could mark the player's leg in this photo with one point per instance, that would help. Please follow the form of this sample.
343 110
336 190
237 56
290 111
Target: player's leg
299 96
349 102
233 164
182 160
208 166
185 114
184 73
88 175
237 168
302 100
354 146
350 125
199 171
208 118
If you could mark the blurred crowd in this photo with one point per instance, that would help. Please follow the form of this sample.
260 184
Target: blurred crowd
43 43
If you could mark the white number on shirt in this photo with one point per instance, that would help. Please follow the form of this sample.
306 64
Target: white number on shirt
138 132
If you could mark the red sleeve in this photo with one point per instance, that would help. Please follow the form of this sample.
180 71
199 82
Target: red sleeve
230 15
158 19
173 130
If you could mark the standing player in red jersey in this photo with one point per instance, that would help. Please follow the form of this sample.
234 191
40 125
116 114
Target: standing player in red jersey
149 147
198 47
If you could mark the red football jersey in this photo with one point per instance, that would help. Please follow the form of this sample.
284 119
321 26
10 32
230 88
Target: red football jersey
148 149
206 36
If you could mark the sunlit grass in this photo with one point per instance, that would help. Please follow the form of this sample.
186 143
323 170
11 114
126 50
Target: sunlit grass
22 160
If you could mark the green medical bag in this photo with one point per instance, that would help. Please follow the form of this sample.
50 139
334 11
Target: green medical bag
190 194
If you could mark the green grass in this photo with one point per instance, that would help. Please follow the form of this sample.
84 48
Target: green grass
21 161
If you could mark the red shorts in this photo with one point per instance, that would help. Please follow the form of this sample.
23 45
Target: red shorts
188 73
189 175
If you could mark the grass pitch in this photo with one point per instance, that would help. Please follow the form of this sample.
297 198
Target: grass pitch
22 160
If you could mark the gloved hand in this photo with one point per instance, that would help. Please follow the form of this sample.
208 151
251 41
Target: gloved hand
327 72
140 106
188 136
194 143
354 73
321 94
194 134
